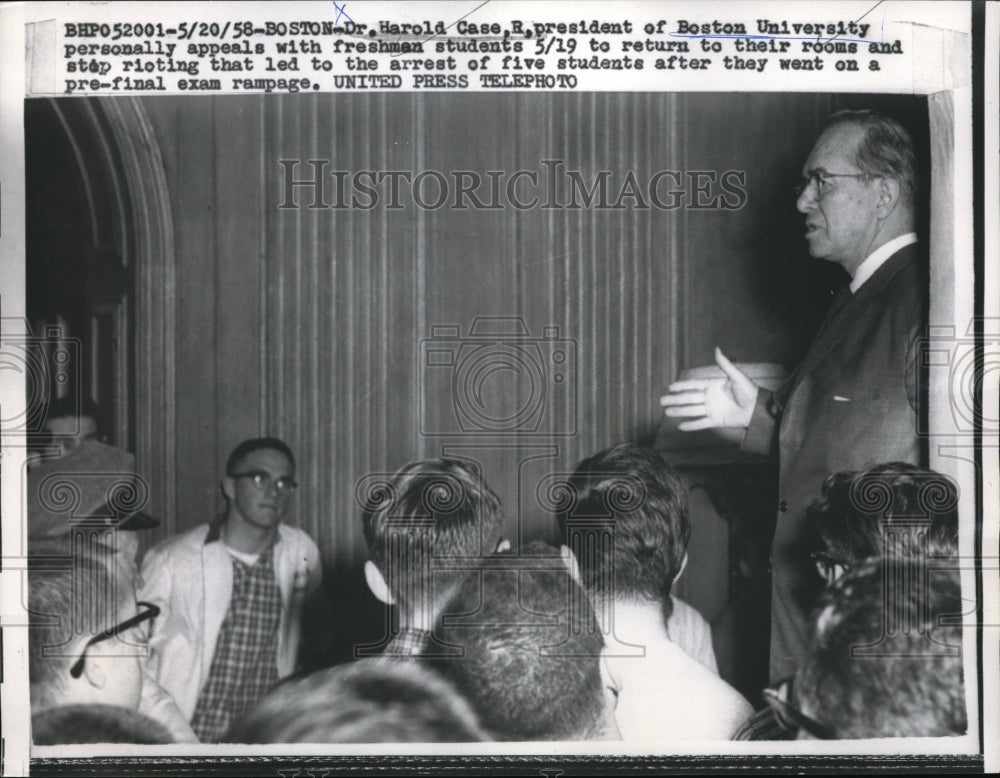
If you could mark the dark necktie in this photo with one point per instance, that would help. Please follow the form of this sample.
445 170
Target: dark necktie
840 299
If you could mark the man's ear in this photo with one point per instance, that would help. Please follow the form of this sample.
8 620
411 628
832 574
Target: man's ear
888 197
228 487
684 564
93 671
572 565
611 689
376 582
608 678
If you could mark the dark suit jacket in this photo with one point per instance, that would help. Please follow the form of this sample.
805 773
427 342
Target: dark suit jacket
852 403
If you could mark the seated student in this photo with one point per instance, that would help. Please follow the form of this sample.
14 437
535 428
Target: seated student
613 492
686 627
231 593
530 650
890 511
368 701
95 724
886 660
430 511
895 509
86 633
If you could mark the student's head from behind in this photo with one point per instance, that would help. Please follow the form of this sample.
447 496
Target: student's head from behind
894 509
631 493
439 508
87 632
886 660
259 482
531 650
368 701
96 724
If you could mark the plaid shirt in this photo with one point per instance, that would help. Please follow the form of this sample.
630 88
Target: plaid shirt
763 725
244 665
408 642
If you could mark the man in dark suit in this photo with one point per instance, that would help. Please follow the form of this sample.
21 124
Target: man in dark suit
852 402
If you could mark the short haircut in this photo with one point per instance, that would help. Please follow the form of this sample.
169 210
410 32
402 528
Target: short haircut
256 444
885 149
71 595
895 509
96 724
430 508
531 648
886 661
369 701
645 503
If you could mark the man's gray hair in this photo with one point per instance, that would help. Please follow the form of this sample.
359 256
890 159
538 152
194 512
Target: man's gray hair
885 149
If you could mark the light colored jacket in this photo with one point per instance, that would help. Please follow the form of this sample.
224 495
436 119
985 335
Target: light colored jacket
192 583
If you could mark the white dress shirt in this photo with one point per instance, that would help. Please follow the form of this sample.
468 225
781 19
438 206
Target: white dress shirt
879 257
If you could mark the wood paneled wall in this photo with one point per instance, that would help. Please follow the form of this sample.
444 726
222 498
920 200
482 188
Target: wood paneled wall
307 323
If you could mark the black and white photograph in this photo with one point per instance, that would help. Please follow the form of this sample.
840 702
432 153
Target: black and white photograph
502 387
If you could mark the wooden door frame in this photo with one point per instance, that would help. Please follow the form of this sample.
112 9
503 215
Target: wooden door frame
144 233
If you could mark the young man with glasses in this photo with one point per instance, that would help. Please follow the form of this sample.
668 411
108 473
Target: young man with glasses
853 399
231 593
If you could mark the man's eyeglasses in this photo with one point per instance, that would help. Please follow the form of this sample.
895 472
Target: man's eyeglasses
828 568
822 182
263 481
148 613
793 719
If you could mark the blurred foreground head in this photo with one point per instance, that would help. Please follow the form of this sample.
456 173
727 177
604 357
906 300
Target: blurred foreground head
95 724
531 658
887 659
368 701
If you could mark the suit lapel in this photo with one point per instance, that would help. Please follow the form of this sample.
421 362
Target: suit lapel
836 324
841 318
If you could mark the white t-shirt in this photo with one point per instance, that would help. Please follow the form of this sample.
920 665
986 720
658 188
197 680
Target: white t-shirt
247 559
666 695
687 628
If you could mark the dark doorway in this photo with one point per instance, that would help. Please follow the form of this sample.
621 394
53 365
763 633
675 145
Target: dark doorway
78 282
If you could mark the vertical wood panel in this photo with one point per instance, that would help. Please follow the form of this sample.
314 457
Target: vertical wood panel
197 464
307 323
238 272
152 257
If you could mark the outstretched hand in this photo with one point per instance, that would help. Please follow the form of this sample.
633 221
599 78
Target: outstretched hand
713 402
